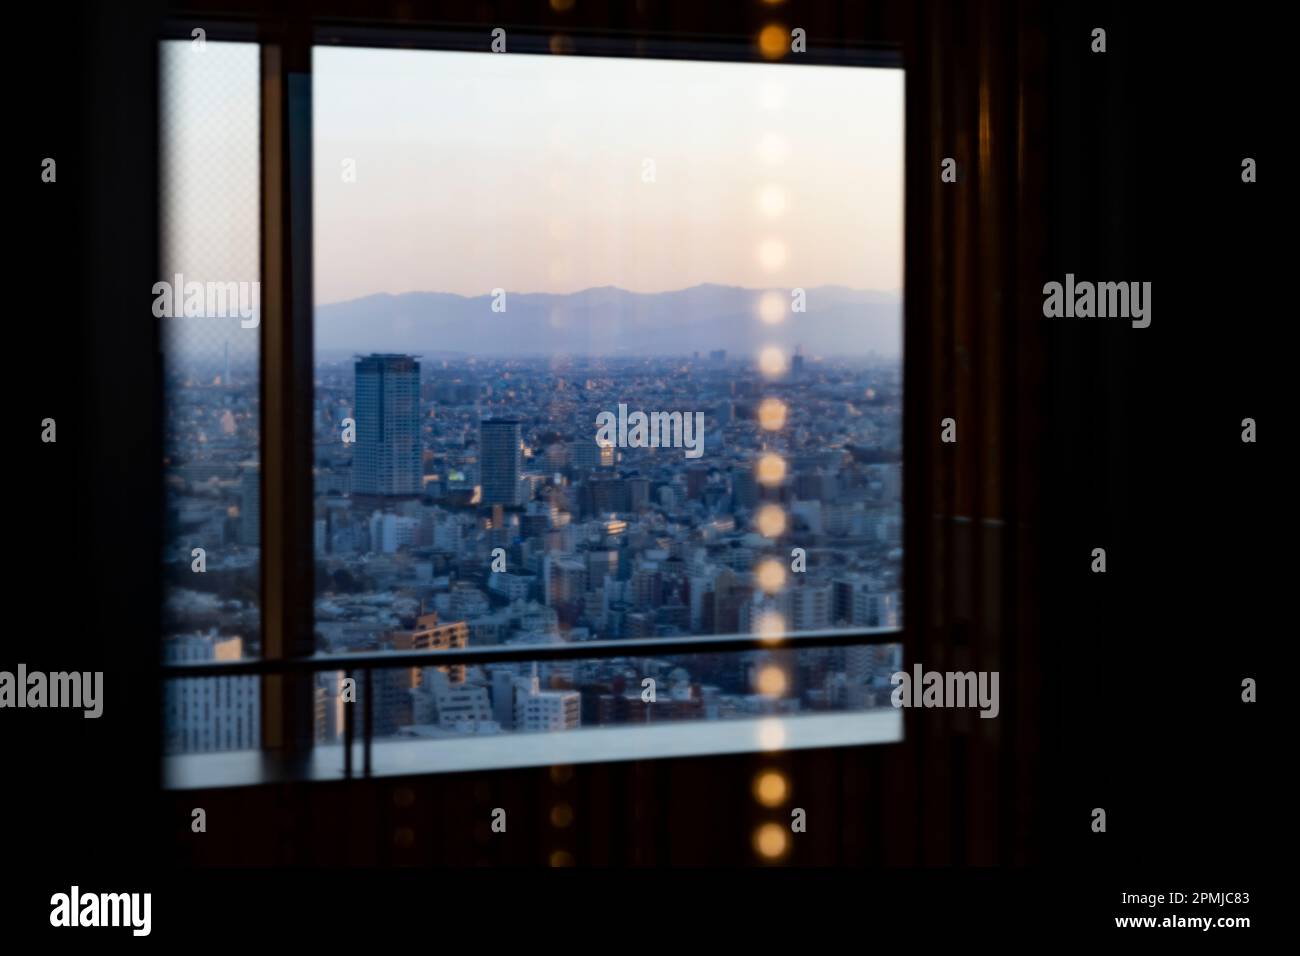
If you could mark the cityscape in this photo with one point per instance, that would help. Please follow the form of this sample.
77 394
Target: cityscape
465 501
563 393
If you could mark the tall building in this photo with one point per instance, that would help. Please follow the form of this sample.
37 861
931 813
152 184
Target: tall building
250 506
429 635
697 478
389 532
329 706
394 704
564 579
503 696
875 609
860 600
500 460
810 605
588 455
204 714
744 489
387 458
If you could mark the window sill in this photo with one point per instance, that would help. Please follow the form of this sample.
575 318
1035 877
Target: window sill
411 757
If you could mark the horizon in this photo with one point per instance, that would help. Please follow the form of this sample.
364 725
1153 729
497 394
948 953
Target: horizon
898 293
596 321
475 172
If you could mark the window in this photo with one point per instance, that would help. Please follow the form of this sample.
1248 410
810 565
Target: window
207 303
605 350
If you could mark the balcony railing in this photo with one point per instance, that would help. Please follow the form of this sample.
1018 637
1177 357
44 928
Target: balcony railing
370 661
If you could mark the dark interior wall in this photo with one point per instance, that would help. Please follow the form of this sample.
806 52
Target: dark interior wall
1144 157
1120 691
83 582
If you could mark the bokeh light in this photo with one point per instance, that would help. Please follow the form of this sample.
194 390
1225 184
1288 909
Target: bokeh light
771 469
771 307
771 575
771 734
771 254
770 521
771 201
773 41
773 149
771 414
771 627
770 788
771 361
771 681
561 815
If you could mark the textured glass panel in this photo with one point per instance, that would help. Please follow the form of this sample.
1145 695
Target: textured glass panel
207 302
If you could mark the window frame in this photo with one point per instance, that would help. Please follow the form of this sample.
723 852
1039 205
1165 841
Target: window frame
289 656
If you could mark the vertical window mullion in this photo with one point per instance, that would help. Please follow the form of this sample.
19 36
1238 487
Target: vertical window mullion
286 326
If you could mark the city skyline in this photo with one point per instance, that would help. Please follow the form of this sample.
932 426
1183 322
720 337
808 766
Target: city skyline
582 542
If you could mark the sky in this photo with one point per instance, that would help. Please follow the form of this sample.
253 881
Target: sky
476 171
479 171
209 205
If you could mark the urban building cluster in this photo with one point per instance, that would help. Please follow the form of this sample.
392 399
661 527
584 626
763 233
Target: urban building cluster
471 504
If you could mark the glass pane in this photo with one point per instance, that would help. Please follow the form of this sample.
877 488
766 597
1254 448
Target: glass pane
207 301
605 349
503 715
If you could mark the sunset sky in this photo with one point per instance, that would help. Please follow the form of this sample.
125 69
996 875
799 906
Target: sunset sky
476 171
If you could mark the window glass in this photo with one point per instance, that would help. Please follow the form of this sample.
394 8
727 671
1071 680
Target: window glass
605 349
207 300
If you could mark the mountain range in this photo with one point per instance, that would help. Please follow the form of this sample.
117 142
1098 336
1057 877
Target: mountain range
611 321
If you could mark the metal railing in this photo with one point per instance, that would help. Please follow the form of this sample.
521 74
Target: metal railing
369 661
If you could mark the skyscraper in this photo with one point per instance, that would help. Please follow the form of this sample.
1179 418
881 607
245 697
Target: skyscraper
387 459
500 460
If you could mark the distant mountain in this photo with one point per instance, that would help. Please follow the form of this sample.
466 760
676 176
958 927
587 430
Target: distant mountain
612 321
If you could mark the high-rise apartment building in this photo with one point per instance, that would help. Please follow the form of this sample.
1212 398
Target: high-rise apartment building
500 460
387 458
